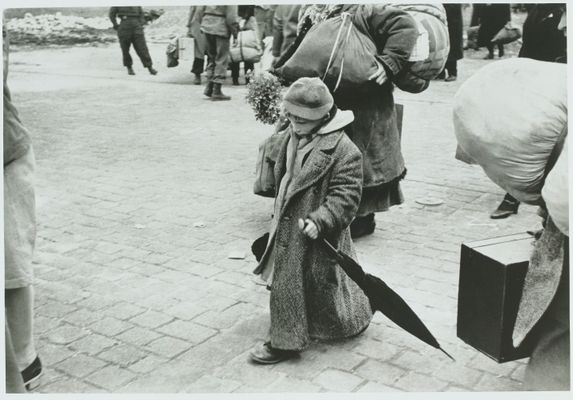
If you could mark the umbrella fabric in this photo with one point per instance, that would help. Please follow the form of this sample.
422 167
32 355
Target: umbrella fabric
384 299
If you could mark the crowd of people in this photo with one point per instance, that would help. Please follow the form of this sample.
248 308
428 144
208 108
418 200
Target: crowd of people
339 163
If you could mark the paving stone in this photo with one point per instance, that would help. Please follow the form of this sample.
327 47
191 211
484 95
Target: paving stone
108 326
70 385
380 372
185 311
168 347
379 350
211 384
414 382
138 336
337 381
53 354
151 319
80 365
288 384
124 311
110 377
188 331
93 344
66 334
122 354
147 364
374 387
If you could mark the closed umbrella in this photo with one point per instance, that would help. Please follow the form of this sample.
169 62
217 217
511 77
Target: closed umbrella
384 299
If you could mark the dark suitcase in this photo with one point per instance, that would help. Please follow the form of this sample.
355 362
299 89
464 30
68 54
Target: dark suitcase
492 273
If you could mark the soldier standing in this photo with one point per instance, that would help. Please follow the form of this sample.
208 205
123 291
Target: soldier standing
218 23
130 31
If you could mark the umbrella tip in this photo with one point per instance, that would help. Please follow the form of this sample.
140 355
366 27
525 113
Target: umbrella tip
446 353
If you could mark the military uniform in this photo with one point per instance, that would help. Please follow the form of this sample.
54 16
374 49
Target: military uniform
130 31
218 23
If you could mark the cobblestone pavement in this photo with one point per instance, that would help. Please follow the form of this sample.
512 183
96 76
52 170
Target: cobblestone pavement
143 192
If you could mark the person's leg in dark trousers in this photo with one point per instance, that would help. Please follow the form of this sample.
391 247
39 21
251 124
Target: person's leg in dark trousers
125 43
140 46
211 50
490 52
500 50
507 207
249 68
221 62
235 66
197 69
452 68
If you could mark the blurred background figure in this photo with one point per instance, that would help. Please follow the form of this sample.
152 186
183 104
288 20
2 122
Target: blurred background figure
285 22
542 39
130 31
19 242
491 18
264 15
218 24
199 45
247 22
456 32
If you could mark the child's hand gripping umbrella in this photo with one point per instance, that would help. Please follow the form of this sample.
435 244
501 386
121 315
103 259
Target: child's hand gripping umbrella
382 297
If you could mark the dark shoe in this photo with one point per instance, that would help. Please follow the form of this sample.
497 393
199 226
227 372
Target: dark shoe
441 76
489 57
130 71
218 94
362 226
31 375
197 80
152 71
265 354
451 78
506 208
208 89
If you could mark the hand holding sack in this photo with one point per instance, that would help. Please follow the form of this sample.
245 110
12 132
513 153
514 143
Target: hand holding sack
508 117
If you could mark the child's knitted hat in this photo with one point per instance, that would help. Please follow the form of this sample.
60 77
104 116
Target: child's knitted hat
308 98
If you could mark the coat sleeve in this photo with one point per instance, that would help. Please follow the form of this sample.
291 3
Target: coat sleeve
233 20
343 195
395 33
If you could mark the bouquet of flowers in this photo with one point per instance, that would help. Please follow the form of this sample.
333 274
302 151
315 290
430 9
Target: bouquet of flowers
264 97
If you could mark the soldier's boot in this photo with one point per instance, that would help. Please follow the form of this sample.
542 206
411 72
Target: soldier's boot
152 71
197 80
130 71
208 89
218 94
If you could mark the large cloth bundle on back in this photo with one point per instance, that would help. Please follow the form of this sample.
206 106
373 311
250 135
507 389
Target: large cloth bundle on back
336 51
508 118
555 191
431 50
247 48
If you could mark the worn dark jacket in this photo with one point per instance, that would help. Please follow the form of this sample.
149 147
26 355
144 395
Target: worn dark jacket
541 38
491 18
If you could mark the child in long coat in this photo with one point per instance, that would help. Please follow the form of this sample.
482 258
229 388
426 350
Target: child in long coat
319 180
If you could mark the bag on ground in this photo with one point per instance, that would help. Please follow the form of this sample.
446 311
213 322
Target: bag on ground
172 53
247 48
335 51
555 191
508 117
509 33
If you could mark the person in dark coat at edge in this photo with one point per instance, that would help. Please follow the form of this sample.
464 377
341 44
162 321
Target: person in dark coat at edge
285 21
319 180
218 24
454 16
491 18
543 41
375 128
130 31
199 45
